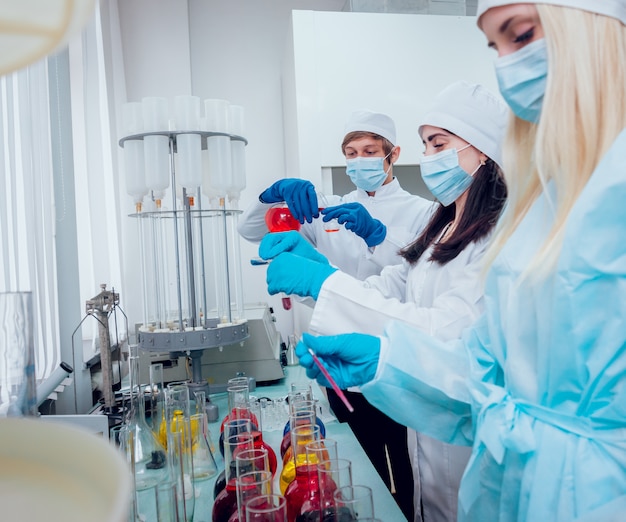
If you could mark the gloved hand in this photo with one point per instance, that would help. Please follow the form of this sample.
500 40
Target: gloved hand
351 359
279 242
356 218
299 195
297 275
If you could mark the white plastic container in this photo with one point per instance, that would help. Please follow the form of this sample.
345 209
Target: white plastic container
134 169
51 471
188 146
156 148
218 174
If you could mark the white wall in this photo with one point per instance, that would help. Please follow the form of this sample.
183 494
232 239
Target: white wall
390 63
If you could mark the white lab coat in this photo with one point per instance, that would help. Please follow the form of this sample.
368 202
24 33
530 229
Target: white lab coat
440 300
538 383
404 215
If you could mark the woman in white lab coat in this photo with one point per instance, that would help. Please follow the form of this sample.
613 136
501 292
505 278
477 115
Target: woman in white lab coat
538 383
438 287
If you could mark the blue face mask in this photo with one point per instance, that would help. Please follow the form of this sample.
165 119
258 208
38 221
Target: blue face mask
522 79
443 176
367 173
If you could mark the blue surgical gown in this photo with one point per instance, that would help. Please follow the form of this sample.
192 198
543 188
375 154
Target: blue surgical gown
538 385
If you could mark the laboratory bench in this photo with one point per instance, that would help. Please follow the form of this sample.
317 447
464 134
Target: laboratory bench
363 471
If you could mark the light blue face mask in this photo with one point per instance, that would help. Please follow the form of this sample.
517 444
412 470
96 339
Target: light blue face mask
522 79
443 176
367 173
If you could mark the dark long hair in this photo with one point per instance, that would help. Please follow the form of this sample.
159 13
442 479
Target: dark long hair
485 200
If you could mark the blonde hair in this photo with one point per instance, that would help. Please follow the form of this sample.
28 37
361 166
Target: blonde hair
583 112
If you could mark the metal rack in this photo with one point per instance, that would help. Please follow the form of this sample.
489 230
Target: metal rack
191 232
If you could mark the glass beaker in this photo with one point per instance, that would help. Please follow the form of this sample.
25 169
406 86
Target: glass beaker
201 407
236 440
250 485
18 388
355 501
300 437
332 474
177 408
331 225
266 508
204 466
303 485
303 494
148 459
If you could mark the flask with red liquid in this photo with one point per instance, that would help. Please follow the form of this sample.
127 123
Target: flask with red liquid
280 219
304 493
236 441
239 408
304 485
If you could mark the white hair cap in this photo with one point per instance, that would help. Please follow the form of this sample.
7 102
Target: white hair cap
473 113
612 8
375 122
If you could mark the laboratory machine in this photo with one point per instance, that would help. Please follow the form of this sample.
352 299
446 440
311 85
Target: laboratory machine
186 184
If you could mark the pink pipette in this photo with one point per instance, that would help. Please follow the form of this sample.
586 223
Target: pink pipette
331 380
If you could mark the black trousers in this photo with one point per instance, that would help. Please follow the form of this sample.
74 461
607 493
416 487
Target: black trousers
375 431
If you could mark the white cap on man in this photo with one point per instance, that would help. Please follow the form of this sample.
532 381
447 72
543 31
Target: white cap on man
473 113
612 8
368 121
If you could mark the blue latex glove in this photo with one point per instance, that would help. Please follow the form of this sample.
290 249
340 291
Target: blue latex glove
355 217
351 359
279 242
293 274
299 195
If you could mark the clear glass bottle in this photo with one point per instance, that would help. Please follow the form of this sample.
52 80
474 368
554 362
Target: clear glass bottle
177 412
331 225
250 485
146 455
304 491
300 437
239 408
237 438
204 466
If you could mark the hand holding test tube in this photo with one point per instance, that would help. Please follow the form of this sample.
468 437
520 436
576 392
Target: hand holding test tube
352 358
331 381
